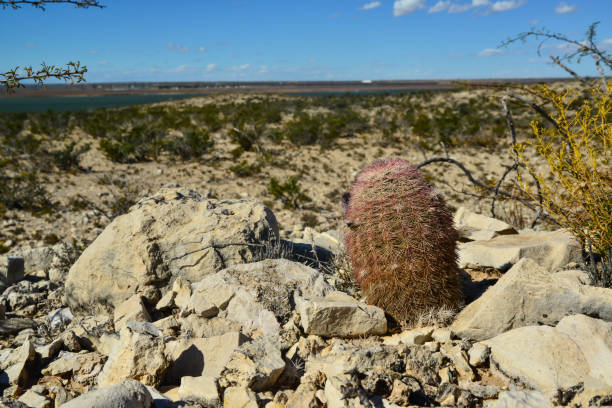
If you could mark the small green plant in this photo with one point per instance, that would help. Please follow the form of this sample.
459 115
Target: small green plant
309 219
23 191
244 169
122 202
288 192
192 144
67 158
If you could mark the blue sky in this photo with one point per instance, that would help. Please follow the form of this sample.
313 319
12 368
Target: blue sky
260 40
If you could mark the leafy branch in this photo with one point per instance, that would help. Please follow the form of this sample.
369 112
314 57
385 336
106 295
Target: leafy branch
15 4
14 78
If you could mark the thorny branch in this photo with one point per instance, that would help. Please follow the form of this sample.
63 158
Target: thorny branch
13 79
15 4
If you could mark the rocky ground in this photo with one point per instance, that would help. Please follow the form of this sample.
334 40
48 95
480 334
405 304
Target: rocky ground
188 301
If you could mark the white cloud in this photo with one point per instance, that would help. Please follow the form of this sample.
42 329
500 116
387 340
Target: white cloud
403 7
495 7
439 7
490 52
177 48
210 67
564 8
244 66
264 69
201 49
534 22
459 8
371 5
506 5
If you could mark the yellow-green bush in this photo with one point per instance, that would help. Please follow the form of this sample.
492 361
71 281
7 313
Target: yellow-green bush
577 192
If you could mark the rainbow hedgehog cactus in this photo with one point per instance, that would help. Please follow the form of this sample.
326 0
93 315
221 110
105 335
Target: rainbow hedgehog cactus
401 241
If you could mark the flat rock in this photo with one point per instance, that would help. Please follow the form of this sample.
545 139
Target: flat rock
475 227
418 336
240 397
129 394
529 295
35 400
551 250
520 399
175 233
578 350
199 389
14 325
340 315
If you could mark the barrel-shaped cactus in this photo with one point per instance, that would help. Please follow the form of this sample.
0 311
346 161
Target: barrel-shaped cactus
401 241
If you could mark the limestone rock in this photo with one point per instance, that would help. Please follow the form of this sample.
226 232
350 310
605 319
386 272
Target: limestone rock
199 389
411 337
75 365
594 339
550 250
52 260
260 295
578 350
201 356
477 227
529 295
175 233
133 309
49 350
35 400
521 399
340 315
136 356
460 361
240 397
128 393
11 270
15 324
479 354
257 365
16 364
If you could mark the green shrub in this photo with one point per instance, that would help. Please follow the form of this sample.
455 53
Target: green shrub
288 192
244 169
191 144
67 158
23 191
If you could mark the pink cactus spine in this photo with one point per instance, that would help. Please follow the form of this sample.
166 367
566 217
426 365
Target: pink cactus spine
401 241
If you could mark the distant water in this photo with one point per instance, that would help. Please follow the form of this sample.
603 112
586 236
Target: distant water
77 103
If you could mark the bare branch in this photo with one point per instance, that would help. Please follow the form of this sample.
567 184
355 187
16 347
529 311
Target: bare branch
40 4
557 61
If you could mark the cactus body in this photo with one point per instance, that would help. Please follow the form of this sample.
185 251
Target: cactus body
401 241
